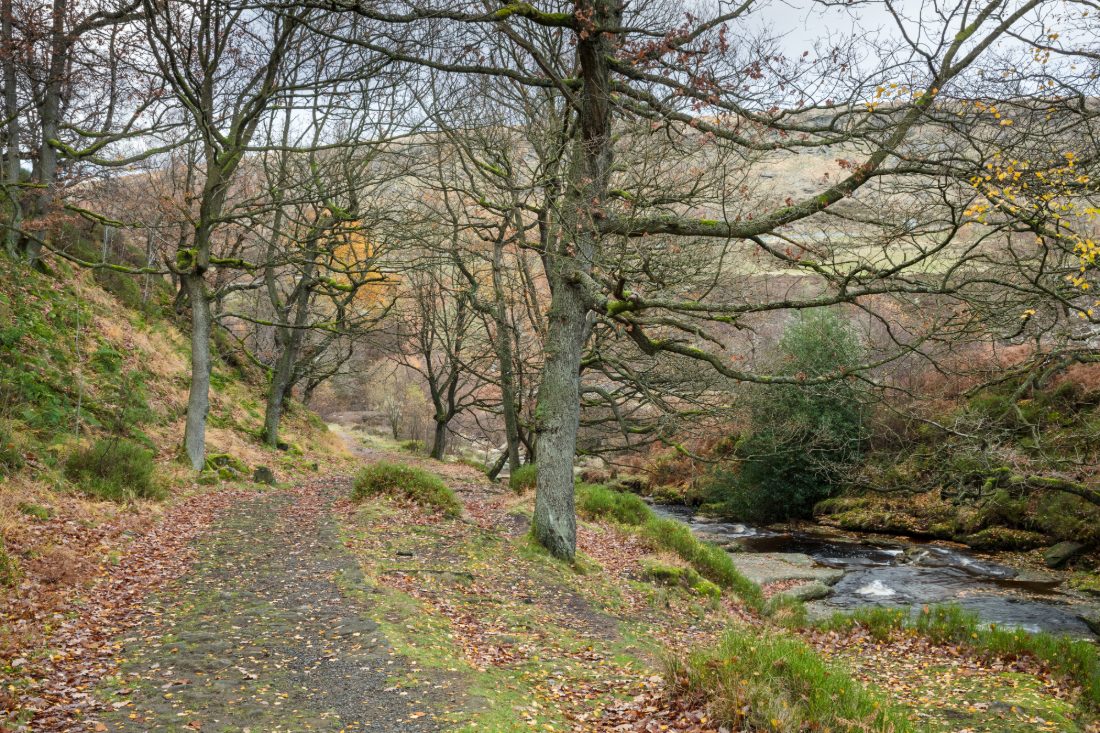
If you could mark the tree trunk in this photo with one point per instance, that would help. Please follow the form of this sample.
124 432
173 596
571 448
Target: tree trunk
289 342
12 131
504 356
557 413
439 444
497 467
49 112
280 386
557 416
198 400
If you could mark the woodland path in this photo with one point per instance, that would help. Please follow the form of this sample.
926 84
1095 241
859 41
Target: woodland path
271 631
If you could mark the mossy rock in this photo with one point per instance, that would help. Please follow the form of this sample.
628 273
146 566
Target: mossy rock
840 504
208 478
1005 538
1086 582
667 495
264 475
218 461
1062 553
628 482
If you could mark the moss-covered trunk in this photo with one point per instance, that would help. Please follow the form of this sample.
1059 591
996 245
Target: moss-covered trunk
198 398
571 262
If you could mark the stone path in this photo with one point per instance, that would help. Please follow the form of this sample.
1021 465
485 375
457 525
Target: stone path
271 632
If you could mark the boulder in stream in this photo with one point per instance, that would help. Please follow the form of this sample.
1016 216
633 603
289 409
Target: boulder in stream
813 591
772 567
1061 553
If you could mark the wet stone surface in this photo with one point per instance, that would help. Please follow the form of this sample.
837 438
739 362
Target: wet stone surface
261 637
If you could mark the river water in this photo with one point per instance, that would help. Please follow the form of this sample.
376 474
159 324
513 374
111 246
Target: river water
900 573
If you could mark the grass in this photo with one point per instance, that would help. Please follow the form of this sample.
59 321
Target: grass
950 624
37 511
879 622
596 500
503 699
115 469
9 568
709 560
11 458
523 478
670 575
778 683
407 483
416 447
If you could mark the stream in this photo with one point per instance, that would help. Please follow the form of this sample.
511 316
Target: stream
898 573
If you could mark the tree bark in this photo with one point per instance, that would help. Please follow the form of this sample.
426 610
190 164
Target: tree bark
439 443
504 356
12 130
557 413
198 400
281 379
289 342
557 416
497 467
49 112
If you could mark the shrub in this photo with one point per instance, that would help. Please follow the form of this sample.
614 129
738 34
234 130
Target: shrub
802 437
225 467
777 683
11 458
412 446
406 483
524 478
599 502
115 469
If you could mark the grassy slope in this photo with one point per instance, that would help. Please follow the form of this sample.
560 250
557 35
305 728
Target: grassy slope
546 646
72 357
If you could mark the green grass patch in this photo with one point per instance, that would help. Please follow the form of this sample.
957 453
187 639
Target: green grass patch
595 501
778 683
1074 659
670 575
407 483
115 469
416 447
11 457
9 568
879 622
35 510
523 478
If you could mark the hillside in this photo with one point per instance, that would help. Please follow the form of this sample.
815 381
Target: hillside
410 597
88 366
